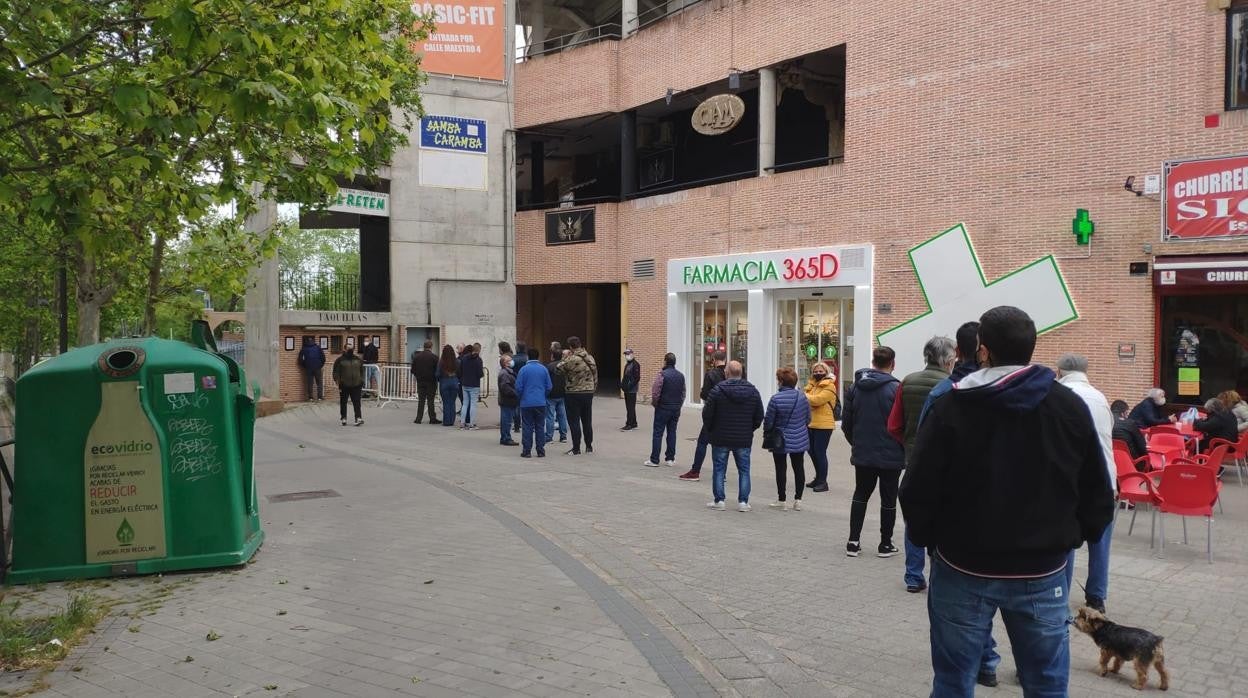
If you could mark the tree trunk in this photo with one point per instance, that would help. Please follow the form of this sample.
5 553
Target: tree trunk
153 284
91 296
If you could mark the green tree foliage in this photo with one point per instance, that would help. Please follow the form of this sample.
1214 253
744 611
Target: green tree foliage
123 122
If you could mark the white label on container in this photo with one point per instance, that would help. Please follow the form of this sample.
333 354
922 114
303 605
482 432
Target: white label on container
179 383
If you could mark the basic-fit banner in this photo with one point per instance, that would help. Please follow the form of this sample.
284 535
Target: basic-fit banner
468 40
124 480
1206 198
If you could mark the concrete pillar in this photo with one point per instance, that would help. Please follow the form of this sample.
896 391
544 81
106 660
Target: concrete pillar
537 27
629 11
628 153
263 295
766 120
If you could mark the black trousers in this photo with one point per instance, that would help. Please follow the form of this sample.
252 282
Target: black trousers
353 393
580 418
630 409
864 484
424 394
799 474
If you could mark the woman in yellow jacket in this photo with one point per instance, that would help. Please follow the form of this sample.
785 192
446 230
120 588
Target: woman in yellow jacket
821 393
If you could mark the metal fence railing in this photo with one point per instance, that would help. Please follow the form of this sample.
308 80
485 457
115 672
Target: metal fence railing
563 42
326 290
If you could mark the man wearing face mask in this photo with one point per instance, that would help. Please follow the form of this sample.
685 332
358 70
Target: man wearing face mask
372 374
1148 412
628 384
349 375
1006 477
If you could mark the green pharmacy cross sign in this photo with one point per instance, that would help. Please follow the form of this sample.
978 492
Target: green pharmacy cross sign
1082 226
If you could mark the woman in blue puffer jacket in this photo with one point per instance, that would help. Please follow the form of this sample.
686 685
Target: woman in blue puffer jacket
789 411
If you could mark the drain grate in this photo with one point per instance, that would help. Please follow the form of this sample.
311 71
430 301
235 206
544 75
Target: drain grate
300 496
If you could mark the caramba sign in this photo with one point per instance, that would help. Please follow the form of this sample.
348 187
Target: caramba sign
1206 198
779 269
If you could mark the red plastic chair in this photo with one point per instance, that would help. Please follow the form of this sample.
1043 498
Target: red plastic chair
1170 446
1135 487
1237 451
1164 429
1187 489
1211 460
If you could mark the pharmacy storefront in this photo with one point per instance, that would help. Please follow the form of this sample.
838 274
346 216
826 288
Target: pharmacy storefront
771 309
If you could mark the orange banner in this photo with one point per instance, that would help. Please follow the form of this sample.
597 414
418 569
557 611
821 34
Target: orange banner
469 39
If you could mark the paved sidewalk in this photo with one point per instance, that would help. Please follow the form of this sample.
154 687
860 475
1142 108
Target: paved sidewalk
590 575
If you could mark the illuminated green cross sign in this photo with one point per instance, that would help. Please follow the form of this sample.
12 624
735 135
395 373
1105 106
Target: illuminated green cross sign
1082 226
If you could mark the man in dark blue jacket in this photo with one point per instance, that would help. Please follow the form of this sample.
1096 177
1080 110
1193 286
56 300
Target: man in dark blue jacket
667 394
312 361
630 381
1148 412
874 453
733 411
1006 478
533 384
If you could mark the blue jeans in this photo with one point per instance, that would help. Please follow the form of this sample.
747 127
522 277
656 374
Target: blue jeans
916 560
449 388
719 461
372 377
960 608
506 415
1098 566
532 420
819 440
664 418
699 453
555 410
469 396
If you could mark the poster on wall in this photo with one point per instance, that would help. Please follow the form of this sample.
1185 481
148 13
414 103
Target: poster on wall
1204 199
468 41
570 226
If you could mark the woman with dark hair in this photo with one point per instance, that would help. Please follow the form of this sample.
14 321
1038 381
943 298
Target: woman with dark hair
448 384
788 413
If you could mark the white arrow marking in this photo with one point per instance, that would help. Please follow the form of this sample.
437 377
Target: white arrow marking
957 292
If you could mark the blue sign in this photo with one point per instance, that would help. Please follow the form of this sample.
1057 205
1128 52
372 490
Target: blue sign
453 133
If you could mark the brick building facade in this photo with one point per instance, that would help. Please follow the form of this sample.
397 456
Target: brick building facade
1007 117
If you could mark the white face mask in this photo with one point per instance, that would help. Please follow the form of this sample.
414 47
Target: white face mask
1159 400
628 358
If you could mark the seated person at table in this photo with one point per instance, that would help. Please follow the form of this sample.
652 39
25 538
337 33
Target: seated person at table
1239 408
1128 432
1220 424
1148 412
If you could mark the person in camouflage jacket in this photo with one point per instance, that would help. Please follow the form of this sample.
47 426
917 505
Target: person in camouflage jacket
581 372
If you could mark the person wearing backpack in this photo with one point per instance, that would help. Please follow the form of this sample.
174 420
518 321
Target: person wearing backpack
874 453
785 434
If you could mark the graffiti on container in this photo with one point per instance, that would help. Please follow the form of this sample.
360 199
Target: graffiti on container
182 401
194 458
192 426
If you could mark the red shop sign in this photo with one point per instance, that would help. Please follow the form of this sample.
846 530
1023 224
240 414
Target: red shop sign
1204 199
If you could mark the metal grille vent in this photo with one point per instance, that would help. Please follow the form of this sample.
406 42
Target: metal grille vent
643 268
854 258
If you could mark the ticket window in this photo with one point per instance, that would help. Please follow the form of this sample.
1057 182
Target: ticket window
718 325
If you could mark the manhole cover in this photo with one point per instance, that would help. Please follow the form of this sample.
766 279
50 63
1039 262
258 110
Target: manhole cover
300 496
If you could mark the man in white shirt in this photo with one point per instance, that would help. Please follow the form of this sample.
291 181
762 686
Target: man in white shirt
1072 372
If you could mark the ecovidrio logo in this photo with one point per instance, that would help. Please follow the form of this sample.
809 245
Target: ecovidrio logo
123 448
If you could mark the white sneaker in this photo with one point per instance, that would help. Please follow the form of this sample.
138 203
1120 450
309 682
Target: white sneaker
717 506
649 464
743 506
669 463
777 505
797 505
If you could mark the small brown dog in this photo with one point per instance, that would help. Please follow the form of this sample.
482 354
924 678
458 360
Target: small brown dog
1120 643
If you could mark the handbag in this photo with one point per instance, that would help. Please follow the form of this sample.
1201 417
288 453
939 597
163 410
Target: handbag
773 438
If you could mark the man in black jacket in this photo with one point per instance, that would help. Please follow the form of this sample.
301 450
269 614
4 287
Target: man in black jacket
372 373
1148 412
1007 476
1127 431
629 382
425 371
710 379
733 411
508 400
874 453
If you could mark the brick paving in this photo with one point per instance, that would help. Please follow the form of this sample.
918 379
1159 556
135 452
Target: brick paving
587 575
